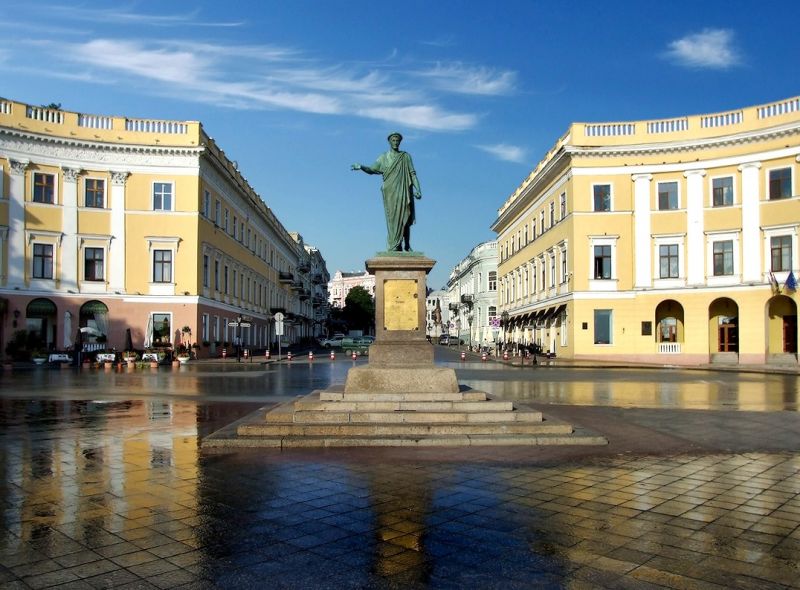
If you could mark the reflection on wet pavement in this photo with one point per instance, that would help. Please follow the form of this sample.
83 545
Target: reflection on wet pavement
118 495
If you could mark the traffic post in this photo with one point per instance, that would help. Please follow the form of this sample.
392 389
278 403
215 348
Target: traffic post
278 317
333 355
505 355
224 353
354 355
483 355
463 355
289 355
311 355
266 352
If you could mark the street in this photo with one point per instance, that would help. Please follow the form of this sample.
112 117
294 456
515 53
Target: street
104 485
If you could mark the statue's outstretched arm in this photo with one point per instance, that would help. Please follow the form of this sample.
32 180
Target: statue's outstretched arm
363 168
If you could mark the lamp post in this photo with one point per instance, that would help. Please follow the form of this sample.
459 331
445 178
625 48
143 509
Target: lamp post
504 318
470 317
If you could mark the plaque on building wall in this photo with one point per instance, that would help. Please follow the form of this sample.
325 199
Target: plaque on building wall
400 305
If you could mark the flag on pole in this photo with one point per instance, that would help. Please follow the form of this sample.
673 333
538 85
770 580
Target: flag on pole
773 282
791 282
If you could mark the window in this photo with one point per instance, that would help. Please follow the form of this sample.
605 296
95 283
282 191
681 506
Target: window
42 261
553 270
563 203
552 213
541 220
563 266
44 188
205 270
235 228
93 259
723 258
204 327
525 234
162 266
602 197
162 196
667 196
492 313
207 204
668 261
227 217
602 262
781 250
493 280
602 326
722 191
94 193
780 183
217 212
225 279
161 329
647 328
216 275
533 277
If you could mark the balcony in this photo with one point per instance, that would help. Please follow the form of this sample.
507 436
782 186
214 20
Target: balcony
467 300
669 347
304 267
316 278
297 286
285 277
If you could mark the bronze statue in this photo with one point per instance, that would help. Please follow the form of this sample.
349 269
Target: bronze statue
400 187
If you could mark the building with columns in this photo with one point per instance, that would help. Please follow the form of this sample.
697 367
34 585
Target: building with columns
472 291
109 224
666 241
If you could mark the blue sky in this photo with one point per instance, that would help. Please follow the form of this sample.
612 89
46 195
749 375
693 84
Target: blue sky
297 91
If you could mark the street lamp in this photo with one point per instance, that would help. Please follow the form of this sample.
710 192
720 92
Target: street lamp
470 317
504 318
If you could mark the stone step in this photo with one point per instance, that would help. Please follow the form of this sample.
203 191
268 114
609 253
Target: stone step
403 429
332 396
286 442
310 405
329 417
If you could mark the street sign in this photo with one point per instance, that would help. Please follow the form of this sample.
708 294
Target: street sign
278 317
234 324
279 328
245 324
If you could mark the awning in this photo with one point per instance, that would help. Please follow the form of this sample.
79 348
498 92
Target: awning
39 308
560 309
548 314
93 307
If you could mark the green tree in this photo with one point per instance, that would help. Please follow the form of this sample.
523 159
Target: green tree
359 309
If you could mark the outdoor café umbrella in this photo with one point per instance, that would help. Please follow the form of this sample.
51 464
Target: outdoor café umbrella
128 340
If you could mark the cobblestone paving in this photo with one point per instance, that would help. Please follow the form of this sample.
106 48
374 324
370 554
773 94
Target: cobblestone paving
118 495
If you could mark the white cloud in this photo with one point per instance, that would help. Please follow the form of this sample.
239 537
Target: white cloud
506 152
710 48
122 16
457 77
427 117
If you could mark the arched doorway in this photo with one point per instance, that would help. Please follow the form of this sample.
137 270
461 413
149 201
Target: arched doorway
93 321
669 326
41 320
723 330
781 328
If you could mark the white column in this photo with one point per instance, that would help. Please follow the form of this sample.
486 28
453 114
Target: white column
69 244
643 251
116 249
751 248
695 246
16 224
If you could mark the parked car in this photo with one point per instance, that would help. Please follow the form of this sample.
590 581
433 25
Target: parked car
358 345
449 340
335 342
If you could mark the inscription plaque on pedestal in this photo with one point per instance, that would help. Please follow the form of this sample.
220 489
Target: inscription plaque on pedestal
400 302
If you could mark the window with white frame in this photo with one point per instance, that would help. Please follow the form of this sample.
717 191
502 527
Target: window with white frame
602 261
226 226
722 191
44 188
94 192
216 275
668 196
162 266
563 252
723 258
207 204
162 196
780 183
668 261
225 279
492 280
780 253
541 222
552 213
205 270
93 264
525 281
204 327
533 277
543 276
42 261
552 269
217 212
601 197
563 206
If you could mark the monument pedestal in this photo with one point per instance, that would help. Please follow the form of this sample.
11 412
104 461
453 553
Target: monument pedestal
401 359
400 398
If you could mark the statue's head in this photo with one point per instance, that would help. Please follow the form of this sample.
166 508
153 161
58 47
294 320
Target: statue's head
396 136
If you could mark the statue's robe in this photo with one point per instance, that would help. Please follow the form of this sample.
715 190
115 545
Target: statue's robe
398 194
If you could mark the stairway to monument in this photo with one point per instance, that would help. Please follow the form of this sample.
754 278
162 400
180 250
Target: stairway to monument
333 418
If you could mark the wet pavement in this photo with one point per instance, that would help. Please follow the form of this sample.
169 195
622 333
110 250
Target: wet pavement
104 486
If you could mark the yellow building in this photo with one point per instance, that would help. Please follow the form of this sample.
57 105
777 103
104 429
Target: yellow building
109 224
668 241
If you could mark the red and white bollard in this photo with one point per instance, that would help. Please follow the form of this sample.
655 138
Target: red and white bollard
267 354
246 353
354 355
224 353
311 355
505 355
483 356
288 356
463 355
333 355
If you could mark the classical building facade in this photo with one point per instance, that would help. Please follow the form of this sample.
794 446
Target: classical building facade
341 283
668 241
437 314
472 291
110 224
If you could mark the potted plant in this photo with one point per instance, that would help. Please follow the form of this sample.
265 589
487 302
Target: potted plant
39 357
183 355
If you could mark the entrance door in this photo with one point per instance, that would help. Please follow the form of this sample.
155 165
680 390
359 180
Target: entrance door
790 334
728 338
